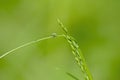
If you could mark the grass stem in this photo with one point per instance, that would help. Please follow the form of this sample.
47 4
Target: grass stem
30 43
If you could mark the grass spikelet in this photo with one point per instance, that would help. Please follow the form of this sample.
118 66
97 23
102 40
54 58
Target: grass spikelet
63 27
77 53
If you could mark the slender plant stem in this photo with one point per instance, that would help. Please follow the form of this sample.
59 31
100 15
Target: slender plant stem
29 43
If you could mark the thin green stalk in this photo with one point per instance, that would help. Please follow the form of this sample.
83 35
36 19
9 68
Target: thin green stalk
29 43
71 75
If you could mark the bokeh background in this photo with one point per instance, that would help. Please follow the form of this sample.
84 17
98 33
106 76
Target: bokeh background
94 23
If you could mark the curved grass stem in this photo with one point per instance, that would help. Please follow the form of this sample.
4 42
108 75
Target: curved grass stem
30 43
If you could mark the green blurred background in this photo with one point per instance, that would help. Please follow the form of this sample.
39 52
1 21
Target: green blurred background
94 23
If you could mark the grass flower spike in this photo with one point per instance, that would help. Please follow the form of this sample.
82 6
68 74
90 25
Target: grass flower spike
77 53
